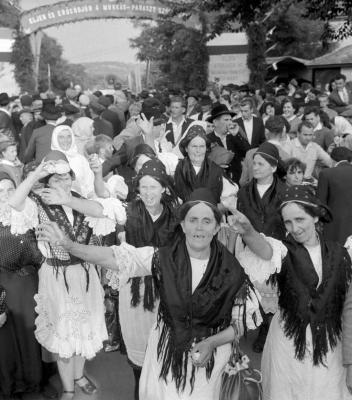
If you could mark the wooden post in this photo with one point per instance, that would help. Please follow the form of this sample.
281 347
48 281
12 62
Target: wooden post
35 40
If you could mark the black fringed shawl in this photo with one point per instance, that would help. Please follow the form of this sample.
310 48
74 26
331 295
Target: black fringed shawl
187 317
80 232
142 231
263 213
209 176
302 302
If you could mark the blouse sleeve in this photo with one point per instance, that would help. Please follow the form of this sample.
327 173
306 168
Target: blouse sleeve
131 262
249 307
114 213
2 300
22 221
256 268
117 187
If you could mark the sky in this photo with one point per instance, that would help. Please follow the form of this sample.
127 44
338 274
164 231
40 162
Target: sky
94 40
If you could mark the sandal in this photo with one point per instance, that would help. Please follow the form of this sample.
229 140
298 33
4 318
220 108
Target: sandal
88 388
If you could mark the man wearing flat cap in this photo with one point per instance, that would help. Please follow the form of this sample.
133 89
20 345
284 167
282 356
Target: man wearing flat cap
227 135
335 190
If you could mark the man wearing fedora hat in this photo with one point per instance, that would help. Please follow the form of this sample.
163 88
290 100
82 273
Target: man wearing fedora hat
40 142
226 134
6 122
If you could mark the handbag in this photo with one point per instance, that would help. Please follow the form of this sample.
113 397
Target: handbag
219 155
239 380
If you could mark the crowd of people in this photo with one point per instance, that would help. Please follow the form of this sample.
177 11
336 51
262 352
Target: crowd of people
202 214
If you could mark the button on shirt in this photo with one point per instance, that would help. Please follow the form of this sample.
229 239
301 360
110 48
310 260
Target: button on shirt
310 155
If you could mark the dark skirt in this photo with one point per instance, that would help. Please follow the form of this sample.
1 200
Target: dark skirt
20 353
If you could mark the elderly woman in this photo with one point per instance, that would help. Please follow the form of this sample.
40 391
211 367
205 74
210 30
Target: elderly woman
196 170
151 221
198 282
20 353
302 357
70 307
63 140
258 201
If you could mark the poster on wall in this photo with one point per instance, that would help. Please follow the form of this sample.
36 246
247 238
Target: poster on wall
229 68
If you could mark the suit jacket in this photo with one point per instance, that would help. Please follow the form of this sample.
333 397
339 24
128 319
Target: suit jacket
324 137
7 123
39 144
336 103
258 134
239 146
335 190
170 137
113 117
102 126
26 133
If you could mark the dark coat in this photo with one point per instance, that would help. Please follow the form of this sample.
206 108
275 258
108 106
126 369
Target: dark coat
170 137
102 126
39 144
7 123
114 119
258 134
336 103
263 213
335 190
239 146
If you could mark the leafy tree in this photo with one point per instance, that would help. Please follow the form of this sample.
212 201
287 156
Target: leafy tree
22 58
179 52
256 55
294 34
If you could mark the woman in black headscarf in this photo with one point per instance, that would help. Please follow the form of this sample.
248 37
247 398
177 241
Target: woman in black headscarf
302 357
200 284
151 221
196 170
259 201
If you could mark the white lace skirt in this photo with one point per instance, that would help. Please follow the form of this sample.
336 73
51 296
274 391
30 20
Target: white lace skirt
70 322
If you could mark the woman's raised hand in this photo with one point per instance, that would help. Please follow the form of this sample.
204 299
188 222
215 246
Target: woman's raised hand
51 233
57 196
95 164
202 352
44 169
145 125
239 223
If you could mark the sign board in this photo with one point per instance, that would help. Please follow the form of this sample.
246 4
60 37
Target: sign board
229 68
77 10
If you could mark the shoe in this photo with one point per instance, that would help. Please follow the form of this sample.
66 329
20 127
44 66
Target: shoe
88 388
49 391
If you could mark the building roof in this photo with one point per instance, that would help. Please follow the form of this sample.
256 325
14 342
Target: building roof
337 57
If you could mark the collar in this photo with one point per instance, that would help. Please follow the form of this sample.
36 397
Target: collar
297 143
221 137
171 121
318 127
6 111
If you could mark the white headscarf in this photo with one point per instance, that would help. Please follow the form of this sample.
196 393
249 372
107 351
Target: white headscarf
82 130
84 182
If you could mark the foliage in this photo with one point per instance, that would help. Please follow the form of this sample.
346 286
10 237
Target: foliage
9 15
330 11
179 52
294 34
256 55
22 58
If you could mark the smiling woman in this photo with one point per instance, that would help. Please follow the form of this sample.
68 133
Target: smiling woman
202 290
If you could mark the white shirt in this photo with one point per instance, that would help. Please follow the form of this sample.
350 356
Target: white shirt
177 128
310 155
344 95
248 127
6 111
198 270
263 188
318 127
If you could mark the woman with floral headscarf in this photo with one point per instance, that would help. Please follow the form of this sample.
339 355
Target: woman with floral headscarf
63 140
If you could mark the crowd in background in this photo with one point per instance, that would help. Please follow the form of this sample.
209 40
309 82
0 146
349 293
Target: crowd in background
112 169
